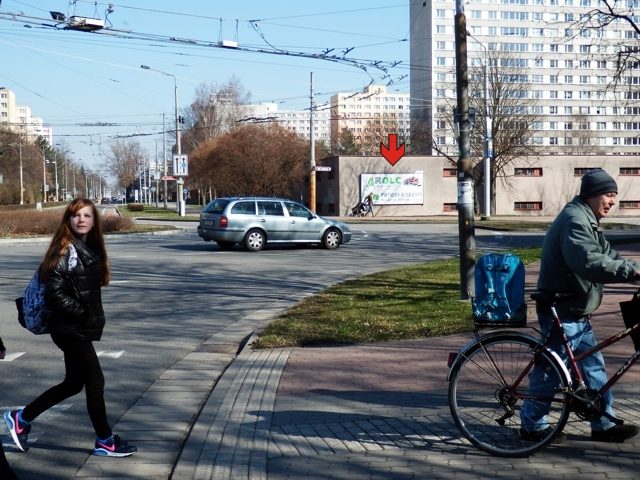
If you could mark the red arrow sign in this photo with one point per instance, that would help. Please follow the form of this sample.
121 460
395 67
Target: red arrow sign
393 153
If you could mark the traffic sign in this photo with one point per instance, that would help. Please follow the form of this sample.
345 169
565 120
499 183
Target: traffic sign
181 165
167 177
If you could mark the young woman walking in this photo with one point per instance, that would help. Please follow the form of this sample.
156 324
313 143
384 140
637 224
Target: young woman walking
74 269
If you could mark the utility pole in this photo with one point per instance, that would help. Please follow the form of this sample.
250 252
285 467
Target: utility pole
312 157
466 226
164 155
55 164
21 182
44 176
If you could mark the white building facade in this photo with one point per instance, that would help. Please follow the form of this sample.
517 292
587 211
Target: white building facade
569 69
18 118
297 121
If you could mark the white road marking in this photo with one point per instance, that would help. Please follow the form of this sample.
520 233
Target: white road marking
108 354
111 282
12 356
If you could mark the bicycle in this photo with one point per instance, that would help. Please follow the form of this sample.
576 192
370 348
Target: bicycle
489 379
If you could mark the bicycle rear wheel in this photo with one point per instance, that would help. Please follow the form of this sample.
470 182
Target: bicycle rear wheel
485 406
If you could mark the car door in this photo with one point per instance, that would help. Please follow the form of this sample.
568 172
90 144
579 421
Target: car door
271 216
303 224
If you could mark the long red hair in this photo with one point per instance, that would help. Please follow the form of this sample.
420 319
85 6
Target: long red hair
63 237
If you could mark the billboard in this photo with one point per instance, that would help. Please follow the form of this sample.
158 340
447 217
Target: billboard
393 188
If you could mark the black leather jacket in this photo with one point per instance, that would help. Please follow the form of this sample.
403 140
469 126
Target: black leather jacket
75 297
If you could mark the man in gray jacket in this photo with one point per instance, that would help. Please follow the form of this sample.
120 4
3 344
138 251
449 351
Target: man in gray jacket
578 260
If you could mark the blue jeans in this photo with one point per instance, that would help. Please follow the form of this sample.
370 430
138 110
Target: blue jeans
581 338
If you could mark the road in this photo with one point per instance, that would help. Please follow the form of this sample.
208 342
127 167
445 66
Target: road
167 295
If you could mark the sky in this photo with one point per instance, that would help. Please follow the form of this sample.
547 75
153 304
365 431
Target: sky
77 81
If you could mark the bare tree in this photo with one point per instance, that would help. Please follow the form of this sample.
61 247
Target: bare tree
516 127
214 112
123 160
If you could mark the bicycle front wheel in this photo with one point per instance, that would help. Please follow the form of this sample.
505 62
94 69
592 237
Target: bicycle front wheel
487 406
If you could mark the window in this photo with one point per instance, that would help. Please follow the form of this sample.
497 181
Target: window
553 110
440 13
528 172
629 204
536 16
585 49
553 48
537 63
441 29
245 208
601 64
441 77
568 125
585 94
440 93
578 172
568 64
441 124
476 14
553 63
527 206
441 61
553 140
553 78
537 93
537 47
585 110
536 78
602 125
553 125
441 140
568 49
449 172
493 15
492 31
568 79
584 79
602 80
585 63
553 94
630 171
568 95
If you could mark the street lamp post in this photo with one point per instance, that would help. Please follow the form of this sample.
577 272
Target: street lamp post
488 142
179 200
21 182
44 176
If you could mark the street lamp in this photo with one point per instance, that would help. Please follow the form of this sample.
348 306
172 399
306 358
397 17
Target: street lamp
488 142
179 201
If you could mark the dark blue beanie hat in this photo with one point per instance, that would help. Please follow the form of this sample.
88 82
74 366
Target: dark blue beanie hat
596 182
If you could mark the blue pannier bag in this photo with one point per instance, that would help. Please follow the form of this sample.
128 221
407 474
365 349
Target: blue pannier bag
499 291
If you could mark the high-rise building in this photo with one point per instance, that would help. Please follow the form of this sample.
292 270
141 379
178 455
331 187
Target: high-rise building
567 70
296 121
370 115
18 117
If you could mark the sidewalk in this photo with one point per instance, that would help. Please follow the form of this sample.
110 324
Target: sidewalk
344 412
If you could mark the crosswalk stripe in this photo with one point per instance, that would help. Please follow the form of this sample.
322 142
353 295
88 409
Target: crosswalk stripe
108 354
12 356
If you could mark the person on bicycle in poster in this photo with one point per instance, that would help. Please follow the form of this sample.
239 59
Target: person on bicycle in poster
578 260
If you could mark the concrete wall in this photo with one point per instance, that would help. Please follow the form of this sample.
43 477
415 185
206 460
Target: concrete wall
557 185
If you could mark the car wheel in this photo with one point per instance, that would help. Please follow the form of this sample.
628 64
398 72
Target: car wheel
254 240
226 245
331 239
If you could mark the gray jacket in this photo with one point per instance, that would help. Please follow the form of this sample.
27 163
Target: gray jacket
576 258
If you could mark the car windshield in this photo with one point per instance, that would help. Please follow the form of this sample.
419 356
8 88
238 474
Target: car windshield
216 206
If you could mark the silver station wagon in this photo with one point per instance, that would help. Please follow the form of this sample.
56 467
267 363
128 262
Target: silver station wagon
256 221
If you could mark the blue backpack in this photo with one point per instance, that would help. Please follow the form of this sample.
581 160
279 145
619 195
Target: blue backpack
499 290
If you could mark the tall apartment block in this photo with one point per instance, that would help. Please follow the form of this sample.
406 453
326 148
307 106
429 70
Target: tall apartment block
18 117
371 114
297 121
568 69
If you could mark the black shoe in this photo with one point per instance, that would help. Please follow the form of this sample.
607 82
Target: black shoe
534 436
19 430
617 434
114 447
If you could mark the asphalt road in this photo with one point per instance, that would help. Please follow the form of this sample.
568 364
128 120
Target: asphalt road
168 294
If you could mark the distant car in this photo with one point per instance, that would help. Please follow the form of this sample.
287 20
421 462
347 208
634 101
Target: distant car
105 201
256 221
114 199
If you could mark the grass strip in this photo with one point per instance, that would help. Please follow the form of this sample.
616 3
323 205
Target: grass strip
409 302
154 212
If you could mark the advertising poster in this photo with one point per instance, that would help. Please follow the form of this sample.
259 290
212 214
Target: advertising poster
393 188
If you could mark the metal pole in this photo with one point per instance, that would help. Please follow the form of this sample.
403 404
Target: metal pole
55 164
21 183
156 175
180 182
312 157
44 176
466 226
73 170
164 155
66 185
487 144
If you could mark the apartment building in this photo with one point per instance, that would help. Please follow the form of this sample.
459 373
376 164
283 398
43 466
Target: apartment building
18 117
567 69
297 121
371 114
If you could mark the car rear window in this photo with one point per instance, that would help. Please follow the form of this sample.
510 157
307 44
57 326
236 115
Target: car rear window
244 208
270 208
216 206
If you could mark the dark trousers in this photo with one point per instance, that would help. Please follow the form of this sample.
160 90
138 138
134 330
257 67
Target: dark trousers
5 470
82 370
